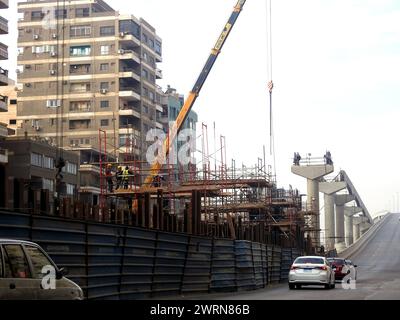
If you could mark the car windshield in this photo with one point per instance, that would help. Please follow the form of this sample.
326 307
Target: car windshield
336 261
309 261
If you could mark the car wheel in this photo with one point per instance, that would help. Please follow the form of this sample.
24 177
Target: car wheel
291 286
327 286
333 286
298 286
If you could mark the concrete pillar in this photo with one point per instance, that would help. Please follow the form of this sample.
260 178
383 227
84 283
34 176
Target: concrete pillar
313 173
329 189
356 232
349 225
348 230
340 201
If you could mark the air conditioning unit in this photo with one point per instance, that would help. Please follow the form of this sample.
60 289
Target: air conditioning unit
37 128
121 51
18 71
54 35
28 85
122 34
28 66
104 91
53 54
36 37
53 72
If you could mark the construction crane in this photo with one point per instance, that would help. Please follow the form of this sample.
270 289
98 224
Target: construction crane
191 99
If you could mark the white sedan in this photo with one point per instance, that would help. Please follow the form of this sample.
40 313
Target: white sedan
311 270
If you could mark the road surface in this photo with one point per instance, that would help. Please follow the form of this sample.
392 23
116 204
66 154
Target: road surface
378 274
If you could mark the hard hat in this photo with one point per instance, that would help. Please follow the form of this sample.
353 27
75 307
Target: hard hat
109 165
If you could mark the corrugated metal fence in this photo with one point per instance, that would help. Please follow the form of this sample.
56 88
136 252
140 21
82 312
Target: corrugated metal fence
120 262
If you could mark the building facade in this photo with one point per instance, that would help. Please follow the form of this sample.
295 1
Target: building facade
83 67
9 118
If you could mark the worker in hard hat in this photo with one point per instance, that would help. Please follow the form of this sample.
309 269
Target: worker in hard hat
119 178
109 177
125 177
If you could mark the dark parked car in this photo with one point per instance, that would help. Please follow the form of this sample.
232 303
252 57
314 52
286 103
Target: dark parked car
343 267
28 273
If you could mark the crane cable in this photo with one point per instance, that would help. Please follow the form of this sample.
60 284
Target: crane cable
270 82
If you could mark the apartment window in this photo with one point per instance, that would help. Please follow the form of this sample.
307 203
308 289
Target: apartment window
43 49
37 15
80 51
48 184
61 14
82 12
79 68
145 38
151 43
105 104
104 67
130 27
104 85
48 162
13 122
151 95
104 50
53 103
145 109
70 189
145 56
104 123
80 31
38 67
36 159
107 31
13 101
157 47
145 92
70 167
79 124
80 87
80 106
145 74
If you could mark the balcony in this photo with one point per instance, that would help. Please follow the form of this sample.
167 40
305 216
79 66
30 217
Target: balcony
3 4
3 104
129 112
3 26
3 77
3 156
129 74
159 74
129 94
128 55
3 51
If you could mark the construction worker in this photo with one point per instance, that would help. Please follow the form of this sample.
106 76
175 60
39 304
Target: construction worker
125 177
119 177
109 177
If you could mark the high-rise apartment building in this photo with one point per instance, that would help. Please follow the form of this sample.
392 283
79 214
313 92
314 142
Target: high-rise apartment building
83 67
3 98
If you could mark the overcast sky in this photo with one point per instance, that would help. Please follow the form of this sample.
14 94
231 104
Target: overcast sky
336 71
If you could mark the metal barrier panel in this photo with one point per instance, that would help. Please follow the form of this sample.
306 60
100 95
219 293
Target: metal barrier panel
15 226
286 262
276 264
138 264
223 271
196 276
105 248
169 263
65 242
245 272
258 265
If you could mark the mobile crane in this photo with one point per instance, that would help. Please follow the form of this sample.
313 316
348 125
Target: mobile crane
191 99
